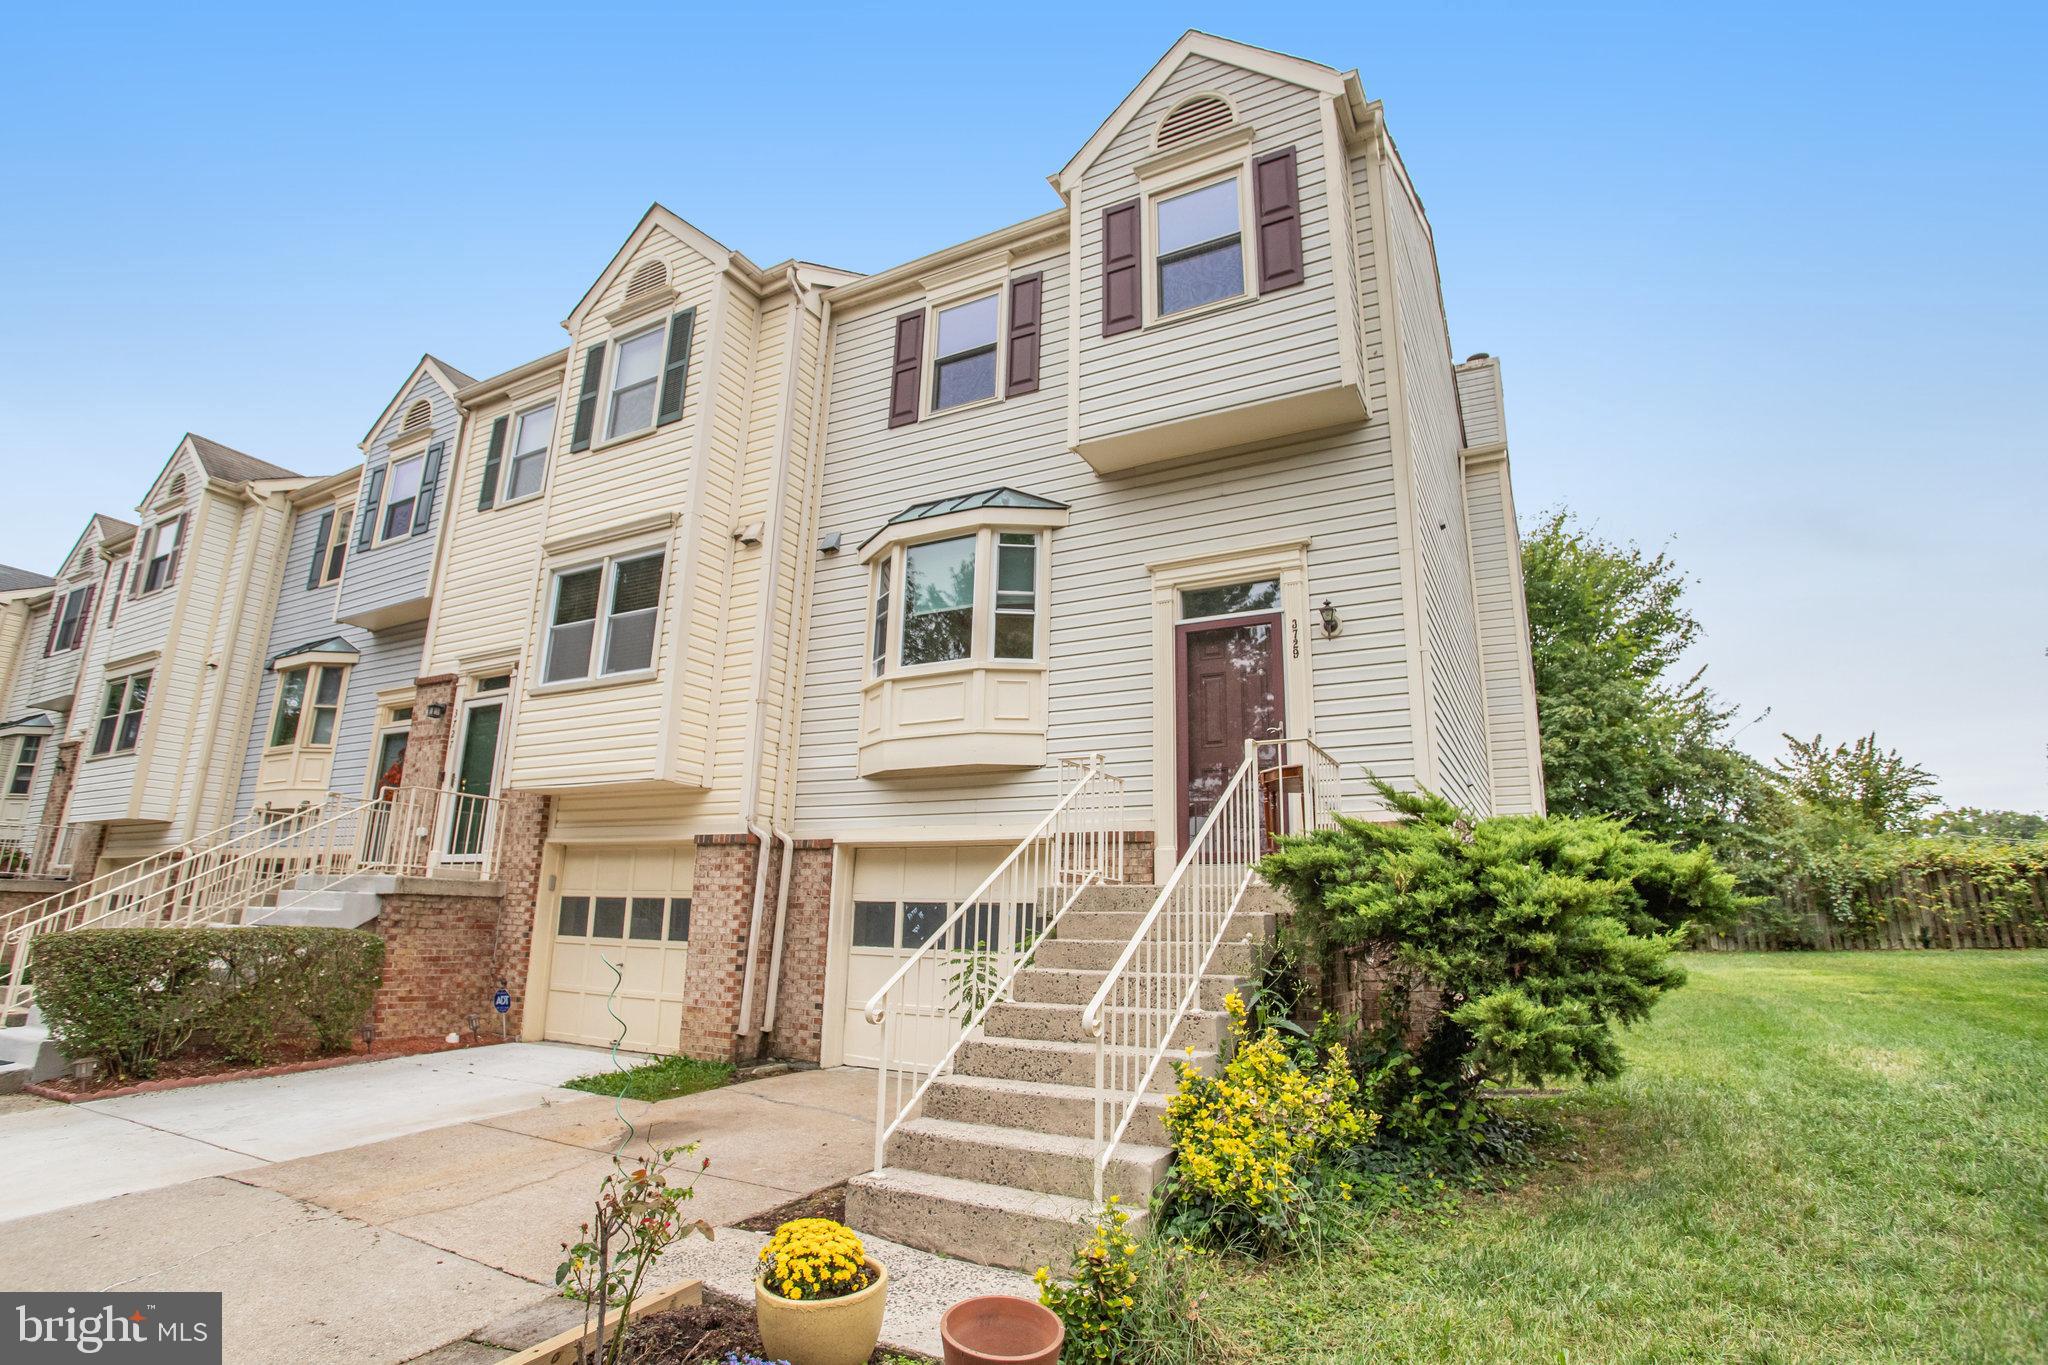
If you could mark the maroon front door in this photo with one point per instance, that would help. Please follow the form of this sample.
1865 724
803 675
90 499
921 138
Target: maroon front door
1230 691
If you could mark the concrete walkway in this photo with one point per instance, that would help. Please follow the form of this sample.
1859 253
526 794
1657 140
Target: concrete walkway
59 1156
405 1233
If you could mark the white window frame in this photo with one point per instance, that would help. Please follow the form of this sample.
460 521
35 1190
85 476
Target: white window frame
337 539
931 359
21 766
150 583
63 604
1187 179
503 494
387 502
600 635
316 668
123 709
894 610
609 393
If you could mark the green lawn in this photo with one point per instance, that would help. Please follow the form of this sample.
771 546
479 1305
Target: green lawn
664 1078
1812 1157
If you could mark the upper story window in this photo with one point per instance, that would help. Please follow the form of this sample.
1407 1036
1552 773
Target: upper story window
308 706
120 721
531 436
636 373
330 554
24 774
602 618
160 568
70 621
964 358
1199 247
401 497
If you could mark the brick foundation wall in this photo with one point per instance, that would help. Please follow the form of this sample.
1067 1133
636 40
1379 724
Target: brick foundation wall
440 965
522 841
1357 982
721 903
426 747
800 1000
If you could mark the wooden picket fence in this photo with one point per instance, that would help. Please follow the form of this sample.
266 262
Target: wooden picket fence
1919 910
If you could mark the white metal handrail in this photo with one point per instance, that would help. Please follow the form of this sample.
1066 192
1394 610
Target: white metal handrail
1282 786
36 851
407 832
931 1004
212 885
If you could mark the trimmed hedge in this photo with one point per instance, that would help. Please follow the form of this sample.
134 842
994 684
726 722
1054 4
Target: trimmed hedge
135 998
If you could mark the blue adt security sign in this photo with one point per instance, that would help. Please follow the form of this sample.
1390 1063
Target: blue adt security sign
502 1000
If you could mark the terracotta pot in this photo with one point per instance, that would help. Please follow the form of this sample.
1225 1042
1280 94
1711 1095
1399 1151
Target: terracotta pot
996 1329
841 1331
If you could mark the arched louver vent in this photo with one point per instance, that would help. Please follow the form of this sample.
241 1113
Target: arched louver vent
648 280
176 490
419 416
1192 119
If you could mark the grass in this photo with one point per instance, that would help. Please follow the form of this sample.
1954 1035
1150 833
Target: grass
1812 1157
664 1078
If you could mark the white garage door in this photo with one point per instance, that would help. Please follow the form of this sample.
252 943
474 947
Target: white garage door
624 908
900 898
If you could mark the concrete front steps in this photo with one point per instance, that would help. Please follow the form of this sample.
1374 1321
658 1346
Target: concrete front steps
27 1054
998 1165
346 904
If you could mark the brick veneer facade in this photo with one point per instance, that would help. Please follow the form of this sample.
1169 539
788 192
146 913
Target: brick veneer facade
800 1000
522 841
426 746
721 903
440 964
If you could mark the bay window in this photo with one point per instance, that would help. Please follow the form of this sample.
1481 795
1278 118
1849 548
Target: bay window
308 706
602 618
964 597
24 775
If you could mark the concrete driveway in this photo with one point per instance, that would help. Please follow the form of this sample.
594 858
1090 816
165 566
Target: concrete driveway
375 1213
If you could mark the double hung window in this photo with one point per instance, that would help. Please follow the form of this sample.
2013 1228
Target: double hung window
120 721
1200 247
602 618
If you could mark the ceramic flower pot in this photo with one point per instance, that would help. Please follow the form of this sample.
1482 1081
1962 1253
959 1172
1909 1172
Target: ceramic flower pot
841 1331
997 1329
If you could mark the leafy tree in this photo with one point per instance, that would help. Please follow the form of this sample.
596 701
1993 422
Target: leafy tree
1541 933
1859 780
1971 822
1626 732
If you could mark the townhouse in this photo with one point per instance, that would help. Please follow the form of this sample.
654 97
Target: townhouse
733 645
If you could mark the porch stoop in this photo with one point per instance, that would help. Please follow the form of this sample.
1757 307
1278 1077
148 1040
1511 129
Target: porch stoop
998 1166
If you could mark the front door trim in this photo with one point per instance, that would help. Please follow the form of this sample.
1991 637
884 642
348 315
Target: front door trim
1182 750
1288 561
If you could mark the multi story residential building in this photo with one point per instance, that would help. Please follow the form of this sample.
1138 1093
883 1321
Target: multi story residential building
172 664
792 640
334 704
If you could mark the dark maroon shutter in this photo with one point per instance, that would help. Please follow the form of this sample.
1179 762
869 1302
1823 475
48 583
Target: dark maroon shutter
84 616
320 539
1276 200
1026 296
56 620
178 550
903 369
1122 298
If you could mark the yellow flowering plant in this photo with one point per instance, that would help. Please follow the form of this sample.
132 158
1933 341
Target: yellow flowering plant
1094 1303
1251 1144
814 1258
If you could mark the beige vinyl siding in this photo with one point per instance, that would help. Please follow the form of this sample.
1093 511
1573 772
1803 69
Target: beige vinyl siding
1514 758
1285 343
41 676
1429 398
781 753
1479 402
490 568
1337 490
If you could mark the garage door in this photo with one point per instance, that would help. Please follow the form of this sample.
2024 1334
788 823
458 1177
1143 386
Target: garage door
900 898
627 908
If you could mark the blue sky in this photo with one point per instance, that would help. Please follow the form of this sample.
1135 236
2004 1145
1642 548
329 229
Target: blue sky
1765 279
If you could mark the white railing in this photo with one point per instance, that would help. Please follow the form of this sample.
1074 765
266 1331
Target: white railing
37 851
1283 786
216 884
934 1001
411 832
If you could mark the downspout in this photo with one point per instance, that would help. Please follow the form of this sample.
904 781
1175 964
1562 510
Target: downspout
757 704
784 791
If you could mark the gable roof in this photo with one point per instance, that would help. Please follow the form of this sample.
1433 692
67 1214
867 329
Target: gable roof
113 528
440 371
16 580
1194 43
657 216
232 466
